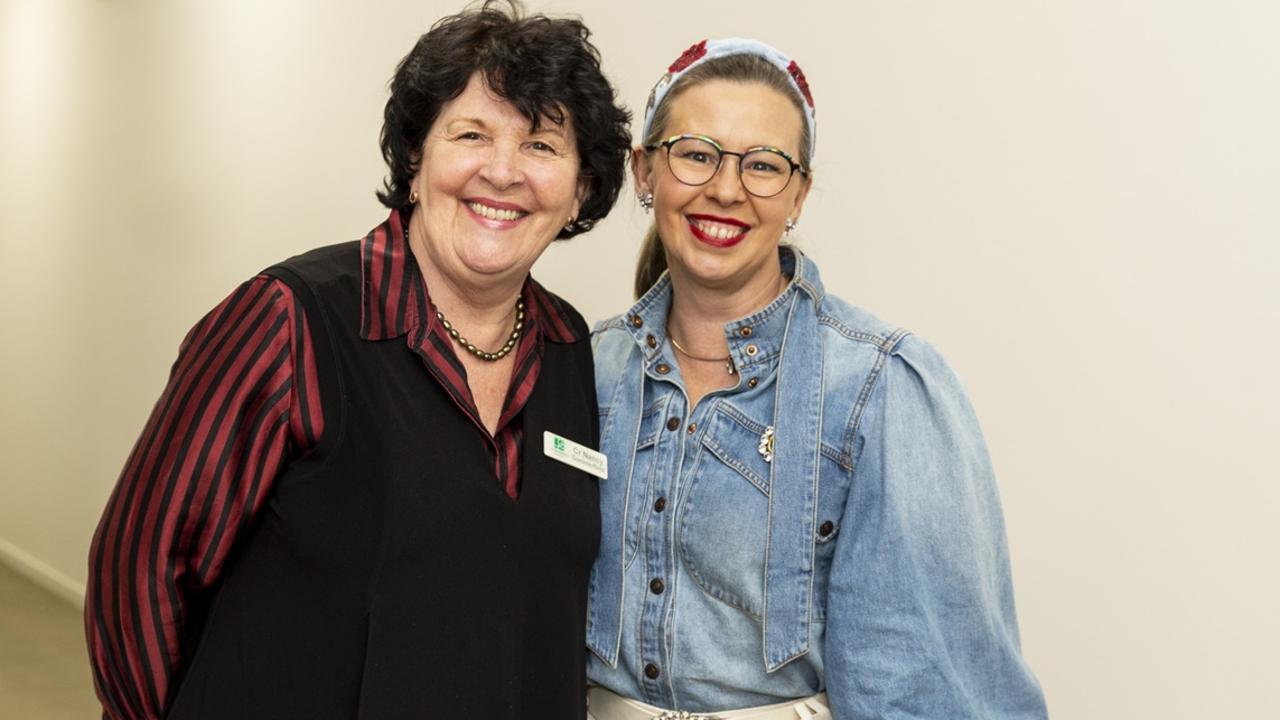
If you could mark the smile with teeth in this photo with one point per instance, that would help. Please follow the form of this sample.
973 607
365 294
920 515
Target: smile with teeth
493 213
719 231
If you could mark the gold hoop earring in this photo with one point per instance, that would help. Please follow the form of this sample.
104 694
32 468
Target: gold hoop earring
413 197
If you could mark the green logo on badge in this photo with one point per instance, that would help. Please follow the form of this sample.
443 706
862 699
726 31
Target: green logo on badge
558 443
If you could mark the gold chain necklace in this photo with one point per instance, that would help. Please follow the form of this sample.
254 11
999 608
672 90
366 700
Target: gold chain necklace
727 360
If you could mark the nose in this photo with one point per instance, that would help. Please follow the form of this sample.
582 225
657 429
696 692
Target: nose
502 168
725 187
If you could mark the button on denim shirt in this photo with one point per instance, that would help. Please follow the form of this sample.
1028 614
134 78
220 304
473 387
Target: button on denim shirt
864 556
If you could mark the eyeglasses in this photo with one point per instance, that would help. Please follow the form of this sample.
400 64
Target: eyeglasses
695 159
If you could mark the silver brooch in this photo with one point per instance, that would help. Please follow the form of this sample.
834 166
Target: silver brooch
766 444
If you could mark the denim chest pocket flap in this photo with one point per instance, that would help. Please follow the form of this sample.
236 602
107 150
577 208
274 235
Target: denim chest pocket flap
736 440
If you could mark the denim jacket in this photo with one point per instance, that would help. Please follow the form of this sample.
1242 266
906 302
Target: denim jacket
830 523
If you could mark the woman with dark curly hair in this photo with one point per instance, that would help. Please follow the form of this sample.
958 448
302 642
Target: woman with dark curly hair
341 506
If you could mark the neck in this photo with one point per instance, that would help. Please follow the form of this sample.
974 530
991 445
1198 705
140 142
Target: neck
482 311
700 312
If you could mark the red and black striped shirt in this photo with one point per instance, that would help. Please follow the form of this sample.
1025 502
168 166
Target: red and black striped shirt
243 398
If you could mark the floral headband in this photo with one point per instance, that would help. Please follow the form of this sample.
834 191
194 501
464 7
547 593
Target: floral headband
709 49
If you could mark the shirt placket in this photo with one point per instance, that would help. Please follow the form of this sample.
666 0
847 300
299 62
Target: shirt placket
675 448
658 607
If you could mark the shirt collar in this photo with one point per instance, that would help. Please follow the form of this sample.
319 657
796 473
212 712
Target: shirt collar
755 341
395 299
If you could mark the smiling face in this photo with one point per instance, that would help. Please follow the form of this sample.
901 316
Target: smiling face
717 235
493 192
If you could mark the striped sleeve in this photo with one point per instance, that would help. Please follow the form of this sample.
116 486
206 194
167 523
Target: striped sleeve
242 398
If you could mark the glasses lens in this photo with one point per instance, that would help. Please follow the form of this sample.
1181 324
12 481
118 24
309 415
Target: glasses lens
693 161
765 172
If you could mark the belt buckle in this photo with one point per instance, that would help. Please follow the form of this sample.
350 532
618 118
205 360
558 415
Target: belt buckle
683 715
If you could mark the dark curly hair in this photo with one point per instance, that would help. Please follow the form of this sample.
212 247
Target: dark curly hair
547 68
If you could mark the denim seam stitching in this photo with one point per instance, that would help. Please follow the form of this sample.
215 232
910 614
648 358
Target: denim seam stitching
748 474
880 341
764 625
747 423
887 346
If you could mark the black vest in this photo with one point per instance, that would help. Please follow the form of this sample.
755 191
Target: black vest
389 575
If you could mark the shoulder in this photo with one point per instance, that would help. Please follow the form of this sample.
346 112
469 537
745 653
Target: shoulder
322 266
853 327
328 273
567 312
611 341
607 326
897 349
895 382
884 368
613 349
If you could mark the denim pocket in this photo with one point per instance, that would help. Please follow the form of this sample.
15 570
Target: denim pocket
725 513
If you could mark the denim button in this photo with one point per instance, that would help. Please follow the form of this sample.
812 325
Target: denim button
663 368
651 341
752 350
636 321
826 528
651 671
656 587
753 382
693 428
673 423
660 504
745 331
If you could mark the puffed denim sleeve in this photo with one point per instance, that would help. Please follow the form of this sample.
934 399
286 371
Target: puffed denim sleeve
921 620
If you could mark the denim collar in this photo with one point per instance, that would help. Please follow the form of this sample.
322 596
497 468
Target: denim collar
755 341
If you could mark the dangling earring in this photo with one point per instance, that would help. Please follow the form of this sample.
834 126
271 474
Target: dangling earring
413 197
646 202
568 227
791 225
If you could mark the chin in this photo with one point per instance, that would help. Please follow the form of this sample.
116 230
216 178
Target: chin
490 266
710 271
488 256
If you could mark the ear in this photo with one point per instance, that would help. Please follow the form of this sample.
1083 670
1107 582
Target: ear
417 175
580 195
798 205
642 169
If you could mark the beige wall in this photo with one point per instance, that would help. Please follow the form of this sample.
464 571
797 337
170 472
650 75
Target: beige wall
1076 201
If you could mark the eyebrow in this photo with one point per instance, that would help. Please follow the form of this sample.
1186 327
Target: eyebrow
545 128
465 121
550 128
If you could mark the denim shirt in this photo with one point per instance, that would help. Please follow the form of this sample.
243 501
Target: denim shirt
864 556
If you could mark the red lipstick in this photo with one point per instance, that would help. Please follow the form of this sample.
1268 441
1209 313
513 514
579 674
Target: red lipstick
715 241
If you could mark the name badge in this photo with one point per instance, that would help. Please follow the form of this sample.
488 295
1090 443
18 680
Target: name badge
575 455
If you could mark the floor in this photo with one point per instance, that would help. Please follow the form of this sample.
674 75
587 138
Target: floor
44 670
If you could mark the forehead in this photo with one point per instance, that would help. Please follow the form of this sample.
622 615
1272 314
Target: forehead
479 104
737 115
